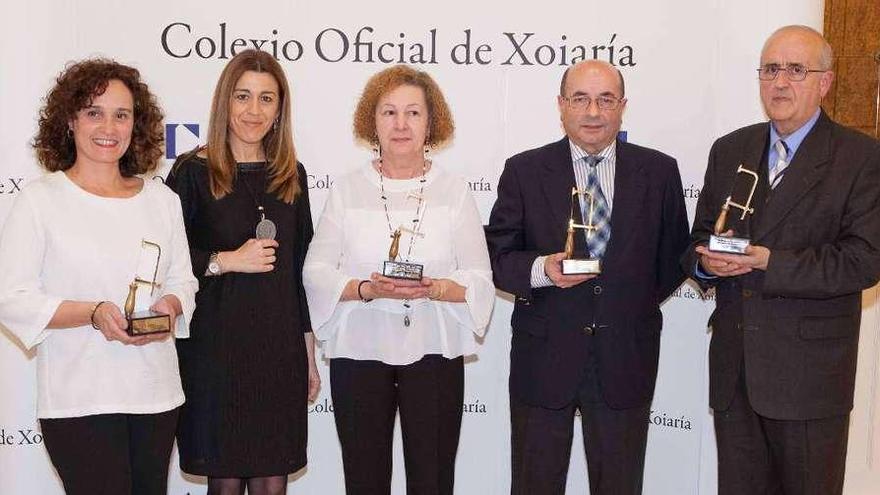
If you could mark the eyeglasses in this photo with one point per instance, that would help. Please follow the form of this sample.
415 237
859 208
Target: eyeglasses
582 102
794 72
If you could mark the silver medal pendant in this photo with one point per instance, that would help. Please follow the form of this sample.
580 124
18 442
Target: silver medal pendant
406 320
266 229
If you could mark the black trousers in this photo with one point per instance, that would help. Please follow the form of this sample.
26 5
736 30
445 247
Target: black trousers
112 454
614 443
764 456
366 396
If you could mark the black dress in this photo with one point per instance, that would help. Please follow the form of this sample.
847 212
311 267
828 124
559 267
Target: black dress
244 368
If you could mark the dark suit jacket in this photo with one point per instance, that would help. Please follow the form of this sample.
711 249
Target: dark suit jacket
551 326
795 325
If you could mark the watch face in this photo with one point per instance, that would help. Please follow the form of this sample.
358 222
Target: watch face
214 267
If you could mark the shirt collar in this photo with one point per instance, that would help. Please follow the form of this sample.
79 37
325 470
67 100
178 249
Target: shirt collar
794 140
609 153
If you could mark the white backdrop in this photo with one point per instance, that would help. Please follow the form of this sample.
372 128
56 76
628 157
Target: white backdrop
689 67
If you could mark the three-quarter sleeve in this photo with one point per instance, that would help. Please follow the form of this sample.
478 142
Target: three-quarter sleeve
473 269
305 234
323 277
25 307
180 281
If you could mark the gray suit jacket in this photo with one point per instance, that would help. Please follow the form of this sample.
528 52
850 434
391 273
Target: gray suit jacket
795 326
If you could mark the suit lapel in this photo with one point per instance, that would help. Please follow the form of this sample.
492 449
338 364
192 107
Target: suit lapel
807 168
629 193
557 179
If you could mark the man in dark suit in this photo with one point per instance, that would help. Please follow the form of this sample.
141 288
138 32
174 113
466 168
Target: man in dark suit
587 342
786 325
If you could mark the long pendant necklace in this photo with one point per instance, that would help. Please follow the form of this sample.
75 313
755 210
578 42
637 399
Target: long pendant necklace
415 231
266 228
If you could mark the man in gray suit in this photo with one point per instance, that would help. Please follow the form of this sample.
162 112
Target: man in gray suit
786 325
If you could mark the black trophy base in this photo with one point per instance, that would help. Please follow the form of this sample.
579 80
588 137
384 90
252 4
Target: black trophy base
732 245
402 270
589 266
148 322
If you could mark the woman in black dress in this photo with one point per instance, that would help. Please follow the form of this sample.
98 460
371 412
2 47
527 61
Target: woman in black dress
249 367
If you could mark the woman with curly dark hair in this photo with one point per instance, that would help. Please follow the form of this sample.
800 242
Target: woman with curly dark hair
399 286
82 242
249 368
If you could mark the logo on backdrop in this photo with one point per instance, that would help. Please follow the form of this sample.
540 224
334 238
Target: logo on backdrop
692 194
323 181
686 291
186 134
325 405
480 185
661 419
20 437
11 185
321 406
474 407
364 45
181 137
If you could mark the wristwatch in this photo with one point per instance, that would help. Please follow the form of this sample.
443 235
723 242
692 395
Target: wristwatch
214 264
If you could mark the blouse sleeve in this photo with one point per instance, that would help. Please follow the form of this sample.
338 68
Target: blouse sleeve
306 232
183 181
473 270
25 307
323 278
180 281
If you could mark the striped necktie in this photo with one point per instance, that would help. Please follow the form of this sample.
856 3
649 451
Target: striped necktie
601 219
781 163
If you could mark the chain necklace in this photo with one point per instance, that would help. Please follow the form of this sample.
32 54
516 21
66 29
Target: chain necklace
420 197
416 225
265 228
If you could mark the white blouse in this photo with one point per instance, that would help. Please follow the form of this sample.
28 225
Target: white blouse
352 241
61 242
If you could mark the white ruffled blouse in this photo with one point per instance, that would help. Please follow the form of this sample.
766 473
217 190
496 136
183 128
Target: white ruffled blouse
352 241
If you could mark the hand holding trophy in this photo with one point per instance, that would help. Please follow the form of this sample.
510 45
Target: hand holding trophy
733 244
587 264
148 321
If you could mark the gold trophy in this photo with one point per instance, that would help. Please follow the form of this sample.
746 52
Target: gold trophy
147 321
401 269
588 264
732 244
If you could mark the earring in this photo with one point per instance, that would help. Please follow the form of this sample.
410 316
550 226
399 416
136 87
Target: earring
70 133
427 150
275 125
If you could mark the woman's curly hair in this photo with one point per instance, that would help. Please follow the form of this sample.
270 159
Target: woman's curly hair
440 123
75 89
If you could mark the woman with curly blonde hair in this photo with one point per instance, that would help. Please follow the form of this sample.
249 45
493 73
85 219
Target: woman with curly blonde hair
75 240
399 286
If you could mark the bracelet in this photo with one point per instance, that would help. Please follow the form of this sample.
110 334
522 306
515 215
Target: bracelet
95 310
360 294
441 290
